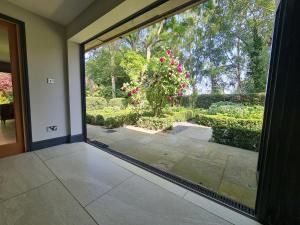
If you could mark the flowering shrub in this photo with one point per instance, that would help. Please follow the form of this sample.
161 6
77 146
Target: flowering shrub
133 90
166 80
6 93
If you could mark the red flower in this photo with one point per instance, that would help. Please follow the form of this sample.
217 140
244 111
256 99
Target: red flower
161 59
137 89
187 75
179 69
133 91
183 85
129 93
169 52
172 62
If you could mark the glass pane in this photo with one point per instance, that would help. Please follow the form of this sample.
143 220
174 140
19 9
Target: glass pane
7 117
186 95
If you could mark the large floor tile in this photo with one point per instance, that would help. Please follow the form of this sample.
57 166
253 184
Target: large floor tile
87 174
137 201
22 173
65 149
49 204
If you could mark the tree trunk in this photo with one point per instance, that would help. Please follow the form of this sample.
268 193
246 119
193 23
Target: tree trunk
238 68
113 86
113 70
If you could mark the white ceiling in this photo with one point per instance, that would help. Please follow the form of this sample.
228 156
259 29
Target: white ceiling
59 11
4 46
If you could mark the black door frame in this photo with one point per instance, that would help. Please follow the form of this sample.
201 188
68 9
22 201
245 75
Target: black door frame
25 98
268 195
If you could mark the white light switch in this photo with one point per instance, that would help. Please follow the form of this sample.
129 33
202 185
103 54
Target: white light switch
50 81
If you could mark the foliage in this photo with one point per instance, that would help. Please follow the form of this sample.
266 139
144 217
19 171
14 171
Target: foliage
206 100
236 110
6 88
104 70
156 123
118 102
94 103
111 118
225 121
167 79
237 137
233 124
133 64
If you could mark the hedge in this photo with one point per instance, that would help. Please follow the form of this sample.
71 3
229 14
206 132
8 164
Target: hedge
206 100
94 103
113 119
242 133
237 137
156 123
224 121
118 102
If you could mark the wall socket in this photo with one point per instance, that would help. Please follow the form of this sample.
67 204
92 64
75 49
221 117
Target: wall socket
50 81
51 128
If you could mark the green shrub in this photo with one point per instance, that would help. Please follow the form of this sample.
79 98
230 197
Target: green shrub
206 100
156 123
180 114
118 102
220 120
110 118
235 110
237 137
94 103
238 132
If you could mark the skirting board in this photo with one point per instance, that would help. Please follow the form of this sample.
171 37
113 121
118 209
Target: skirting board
56 141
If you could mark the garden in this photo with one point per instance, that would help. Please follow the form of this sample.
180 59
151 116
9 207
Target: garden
158 100
186 94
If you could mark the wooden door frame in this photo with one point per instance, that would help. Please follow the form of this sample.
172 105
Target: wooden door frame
24 81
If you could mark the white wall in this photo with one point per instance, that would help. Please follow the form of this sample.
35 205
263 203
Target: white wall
46 54
74 88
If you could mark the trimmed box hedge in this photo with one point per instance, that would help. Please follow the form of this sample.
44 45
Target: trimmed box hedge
206 100
156 123
118 102
237 137
112 119
237 132
95 103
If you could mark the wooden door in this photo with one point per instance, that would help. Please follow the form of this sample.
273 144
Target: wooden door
11 121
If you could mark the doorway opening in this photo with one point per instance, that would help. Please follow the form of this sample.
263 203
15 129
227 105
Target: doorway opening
14 105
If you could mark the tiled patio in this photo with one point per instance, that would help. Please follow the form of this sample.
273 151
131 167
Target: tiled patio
77 184
186 151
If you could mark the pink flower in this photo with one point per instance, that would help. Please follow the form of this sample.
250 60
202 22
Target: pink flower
187 75
172 62
133 91
161 59
183 85
169 52
179 69
180 93
137 89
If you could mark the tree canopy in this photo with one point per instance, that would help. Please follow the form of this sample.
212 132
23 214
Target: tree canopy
224 45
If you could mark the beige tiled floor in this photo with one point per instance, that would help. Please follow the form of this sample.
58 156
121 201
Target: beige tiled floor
77 184
187 152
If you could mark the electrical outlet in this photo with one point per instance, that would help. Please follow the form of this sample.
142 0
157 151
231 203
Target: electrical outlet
51 128
50 81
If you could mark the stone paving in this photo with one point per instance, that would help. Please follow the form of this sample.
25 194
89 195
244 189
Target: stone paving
186 151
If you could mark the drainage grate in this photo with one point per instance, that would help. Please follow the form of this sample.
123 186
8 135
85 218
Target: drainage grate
110 131
196 188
